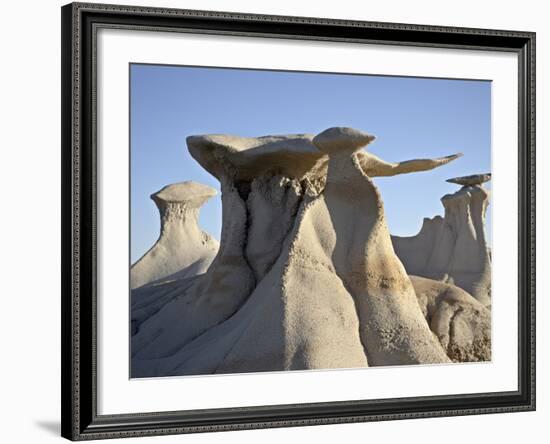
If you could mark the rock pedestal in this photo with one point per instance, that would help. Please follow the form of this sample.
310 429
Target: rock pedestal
182 249
454 248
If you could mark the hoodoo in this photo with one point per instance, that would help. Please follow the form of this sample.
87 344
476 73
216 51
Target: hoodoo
182 249
454 248
306 276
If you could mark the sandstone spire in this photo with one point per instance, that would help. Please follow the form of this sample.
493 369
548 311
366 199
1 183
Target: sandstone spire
182 245
454 248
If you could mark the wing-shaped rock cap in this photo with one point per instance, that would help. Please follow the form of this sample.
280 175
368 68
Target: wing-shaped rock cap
245 158
295 156
184 192
474 179
292 155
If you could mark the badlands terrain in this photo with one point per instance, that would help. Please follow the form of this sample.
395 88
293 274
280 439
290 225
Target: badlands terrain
306 274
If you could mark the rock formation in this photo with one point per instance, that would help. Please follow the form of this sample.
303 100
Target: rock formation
306 276
461 323
454 248
474 179
182 249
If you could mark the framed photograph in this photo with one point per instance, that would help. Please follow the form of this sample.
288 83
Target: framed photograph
278 221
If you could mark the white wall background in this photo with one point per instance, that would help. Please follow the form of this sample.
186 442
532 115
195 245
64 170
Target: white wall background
30 220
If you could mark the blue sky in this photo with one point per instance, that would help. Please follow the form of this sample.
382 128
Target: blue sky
411 118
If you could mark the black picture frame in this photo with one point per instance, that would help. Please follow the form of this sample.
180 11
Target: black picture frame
79 171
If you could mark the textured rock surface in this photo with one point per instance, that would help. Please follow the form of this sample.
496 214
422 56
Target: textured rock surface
453 248
148 300
272 207
182 245
306 276
462 324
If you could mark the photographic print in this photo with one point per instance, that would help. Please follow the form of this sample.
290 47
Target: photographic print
285 220
273 221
